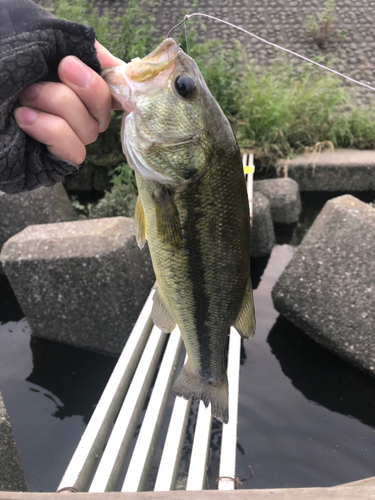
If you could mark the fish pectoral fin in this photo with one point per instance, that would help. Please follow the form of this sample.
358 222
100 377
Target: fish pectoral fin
167 218
140 223
161 316
245 321
188 385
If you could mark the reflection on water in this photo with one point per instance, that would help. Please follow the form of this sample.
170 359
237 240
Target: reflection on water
71 374
320 375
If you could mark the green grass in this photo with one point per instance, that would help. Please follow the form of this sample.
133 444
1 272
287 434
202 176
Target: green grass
281 113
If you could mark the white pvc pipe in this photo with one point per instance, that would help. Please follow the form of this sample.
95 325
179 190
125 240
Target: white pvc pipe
229 437
144 449
110 466
170 459
90 447
199 452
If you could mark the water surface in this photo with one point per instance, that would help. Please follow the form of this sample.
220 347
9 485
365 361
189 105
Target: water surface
306 418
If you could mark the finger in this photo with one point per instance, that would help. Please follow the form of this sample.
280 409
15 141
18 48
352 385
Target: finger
53 131
60 100
89 87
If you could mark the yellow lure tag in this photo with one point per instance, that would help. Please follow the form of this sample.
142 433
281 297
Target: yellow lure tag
249 169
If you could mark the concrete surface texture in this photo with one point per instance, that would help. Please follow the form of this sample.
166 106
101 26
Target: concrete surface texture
40 206
262 233
81 282
11 475
328 287
283 195
336 493
341 170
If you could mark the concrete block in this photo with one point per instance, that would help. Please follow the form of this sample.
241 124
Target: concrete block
328 287
341 170
262 232
11 474
284 198
81 282
42 206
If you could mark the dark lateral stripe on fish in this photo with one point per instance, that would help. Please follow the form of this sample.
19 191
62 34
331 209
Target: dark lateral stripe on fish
196 268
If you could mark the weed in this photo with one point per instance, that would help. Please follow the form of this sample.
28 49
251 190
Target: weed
221 70
282 113
119 201
123 174
319 27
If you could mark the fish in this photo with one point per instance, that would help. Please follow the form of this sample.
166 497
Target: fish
192 210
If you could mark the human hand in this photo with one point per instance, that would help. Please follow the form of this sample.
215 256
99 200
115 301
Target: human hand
69 115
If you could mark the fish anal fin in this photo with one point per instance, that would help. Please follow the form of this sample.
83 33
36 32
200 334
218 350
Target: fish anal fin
140 223
160 314
245 321
189 385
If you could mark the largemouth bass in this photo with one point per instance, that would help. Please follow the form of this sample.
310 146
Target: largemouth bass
192 209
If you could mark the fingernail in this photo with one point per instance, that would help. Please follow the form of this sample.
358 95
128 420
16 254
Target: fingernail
26 116
76 72
30 92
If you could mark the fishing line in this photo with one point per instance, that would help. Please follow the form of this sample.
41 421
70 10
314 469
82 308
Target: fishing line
186 38
188 16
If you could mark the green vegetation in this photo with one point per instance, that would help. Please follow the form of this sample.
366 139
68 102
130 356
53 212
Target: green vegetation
276 111
282 113
126 37
123 174
319 27
119 201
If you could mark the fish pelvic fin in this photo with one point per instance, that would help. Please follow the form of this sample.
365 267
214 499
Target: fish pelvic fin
189 385
161 317
140 223
245 321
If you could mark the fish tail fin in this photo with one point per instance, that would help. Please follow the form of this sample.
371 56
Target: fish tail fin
189 385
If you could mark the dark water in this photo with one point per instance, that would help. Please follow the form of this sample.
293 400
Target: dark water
306 418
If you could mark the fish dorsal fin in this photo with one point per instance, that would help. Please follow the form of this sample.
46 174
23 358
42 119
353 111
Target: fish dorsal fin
167 218
160 314
140 223
245 322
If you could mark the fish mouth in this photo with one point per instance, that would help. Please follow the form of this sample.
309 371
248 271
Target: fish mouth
166 50
153 69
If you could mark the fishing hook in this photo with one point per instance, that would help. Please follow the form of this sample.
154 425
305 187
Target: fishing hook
188 16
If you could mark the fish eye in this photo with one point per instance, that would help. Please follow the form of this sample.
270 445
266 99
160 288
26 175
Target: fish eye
185 85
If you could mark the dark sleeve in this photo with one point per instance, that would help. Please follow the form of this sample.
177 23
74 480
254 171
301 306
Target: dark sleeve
32 44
